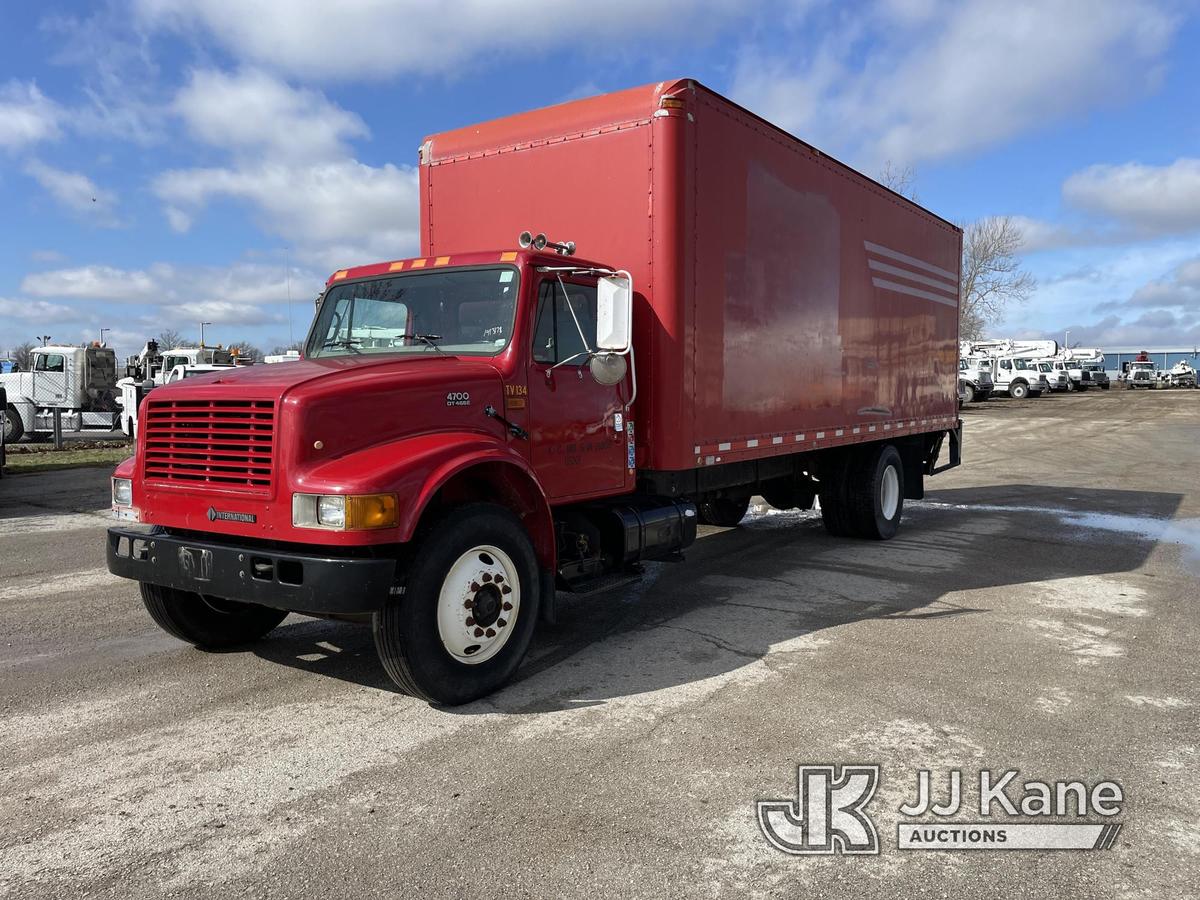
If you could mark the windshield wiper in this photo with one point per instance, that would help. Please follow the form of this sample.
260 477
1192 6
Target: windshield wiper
348 343
429 340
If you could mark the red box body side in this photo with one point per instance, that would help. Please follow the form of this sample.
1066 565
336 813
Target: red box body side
784 301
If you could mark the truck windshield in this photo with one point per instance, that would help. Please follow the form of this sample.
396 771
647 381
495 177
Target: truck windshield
468 312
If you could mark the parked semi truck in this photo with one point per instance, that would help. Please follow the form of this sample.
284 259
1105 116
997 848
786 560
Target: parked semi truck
720 310
79 382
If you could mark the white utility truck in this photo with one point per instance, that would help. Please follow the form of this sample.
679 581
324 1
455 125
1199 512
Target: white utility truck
81 382
150 368
975 377
1013 369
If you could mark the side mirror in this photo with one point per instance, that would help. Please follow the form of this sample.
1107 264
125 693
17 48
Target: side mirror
608 368
614 313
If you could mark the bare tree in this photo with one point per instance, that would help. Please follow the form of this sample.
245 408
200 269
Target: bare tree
21 355
992 277
900 180
283 349
169 339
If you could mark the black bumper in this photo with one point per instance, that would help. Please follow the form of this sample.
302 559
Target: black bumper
298 582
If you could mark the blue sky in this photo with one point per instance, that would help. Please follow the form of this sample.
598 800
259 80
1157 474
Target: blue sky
161 160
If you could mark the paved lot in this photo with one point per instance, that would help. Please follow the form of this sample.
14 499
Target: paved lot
1038 612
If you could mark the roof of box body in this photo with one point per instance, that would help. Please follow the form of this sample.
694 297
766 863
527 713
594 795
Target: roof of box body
604 112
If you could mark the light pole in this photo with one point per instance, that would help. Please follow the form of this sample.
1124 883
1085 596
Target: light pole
1067 339
202 324
102 330
43 338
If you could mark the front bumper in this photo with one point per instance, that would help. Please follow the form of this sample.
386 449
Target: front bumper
283 579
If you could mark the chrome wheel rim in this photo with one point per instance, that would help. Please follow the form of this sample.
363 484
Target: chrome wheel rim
478 604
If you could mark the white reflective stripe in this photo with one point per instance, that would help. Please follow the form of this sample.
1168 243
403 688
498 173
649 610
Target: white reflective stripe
880 250
838 433
912 276
916 292
776 440
724 446
856 430
751 444
820 434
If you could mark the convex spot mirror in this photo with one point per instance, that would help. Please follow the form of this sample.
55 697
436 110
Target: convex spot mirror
614 313
608 368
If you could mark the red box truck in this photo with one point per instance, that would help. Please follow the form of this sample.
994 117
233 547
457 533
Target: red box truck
719 310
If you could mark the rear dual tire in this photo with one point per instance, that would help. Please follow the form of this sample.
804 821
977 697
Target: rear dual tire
862 493
725 512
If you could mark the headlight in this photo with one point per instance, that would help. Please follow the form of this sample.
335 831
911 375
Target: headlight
354 512
122 492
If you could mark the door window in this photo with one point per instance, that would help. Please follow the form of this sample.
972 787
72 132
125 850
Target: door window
561 319
49 362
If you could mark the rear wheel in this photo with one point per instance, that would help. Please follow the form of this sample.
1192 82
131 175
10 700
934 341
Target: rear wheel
833 493
877 494
208 622
13 426
723 511
467 614
1018 390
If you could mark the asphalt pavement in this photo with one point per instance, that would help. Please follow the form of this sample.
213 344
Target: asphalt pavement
1038 612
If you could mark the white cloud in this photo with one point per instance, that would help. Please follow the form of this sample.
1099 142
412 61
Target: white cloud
235 294
76 192
1179 290
1154 199
908 85
326 209
27 116
289 162
368 39
36 311
255 112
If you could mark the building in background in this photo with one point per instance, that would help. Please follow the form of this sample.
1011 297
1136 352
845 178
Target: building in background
1117 358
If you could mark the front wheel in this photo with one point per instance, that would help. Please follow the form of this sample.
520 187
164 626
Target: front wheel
13 426
1018 391
208 622
968 394
467 613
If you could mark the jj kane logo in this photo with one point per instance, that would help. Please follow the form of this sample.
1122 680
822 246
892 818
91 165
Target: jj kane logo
829 813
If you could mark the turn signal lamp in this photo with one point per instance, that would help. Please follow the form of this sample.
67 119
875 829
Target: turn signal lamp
337 512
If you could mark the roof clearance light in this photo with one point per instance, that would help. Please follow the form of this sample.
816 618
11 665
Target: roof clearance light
671 103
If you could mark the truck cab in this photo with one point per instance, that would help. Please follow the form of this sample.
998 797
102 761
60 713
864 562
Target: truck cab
1141 373
1055 374
1018 377
975 376
1079 377
79 382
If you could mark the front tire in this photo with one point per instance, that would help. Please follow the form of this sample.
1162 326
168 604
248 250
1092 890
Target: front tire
1018 391
14 428
968 394
208 622
467 615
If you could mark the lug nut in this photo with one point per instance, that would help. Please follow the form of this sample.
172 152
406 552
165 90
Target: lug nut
501 623
470 621
491 632
507 606
478 632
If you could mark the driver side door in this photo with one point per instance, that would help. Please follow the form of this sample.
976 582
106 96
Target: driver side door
579 437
